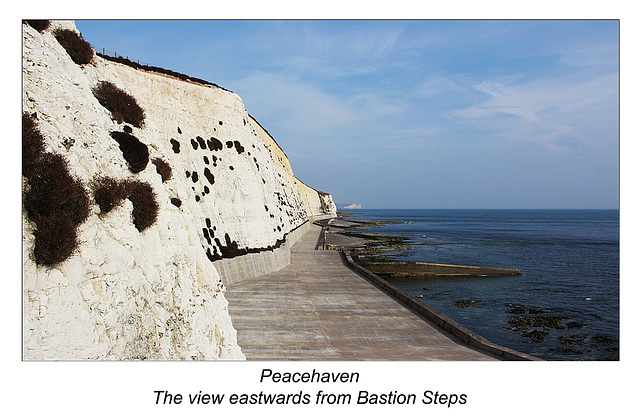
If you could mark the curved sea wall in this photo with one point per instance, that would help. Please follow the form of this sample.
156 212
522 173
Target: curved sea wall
230 208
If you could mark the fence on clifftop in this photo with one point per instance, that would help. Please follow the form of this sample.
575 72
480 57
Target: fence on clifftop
114 54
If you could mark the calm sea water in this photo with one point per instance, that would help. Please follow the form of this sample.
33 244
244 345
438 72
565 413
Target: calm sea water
570 265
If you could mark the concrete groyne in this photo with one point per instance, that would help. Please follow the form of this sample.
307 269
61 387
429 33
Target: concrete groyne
422 269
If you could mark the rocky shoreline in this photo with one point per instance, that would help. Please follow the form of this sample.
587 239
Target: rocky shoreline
371 251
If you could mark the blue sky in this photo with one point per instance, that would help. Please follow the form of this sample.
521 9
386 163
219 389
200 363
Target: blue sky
414 114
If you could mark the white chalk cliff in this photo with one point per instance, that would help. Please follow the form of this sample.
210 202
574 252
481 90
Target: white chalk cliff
156 293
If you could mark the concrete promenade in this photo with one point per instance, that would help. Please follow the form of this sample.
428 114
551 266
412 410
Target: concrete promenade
319 309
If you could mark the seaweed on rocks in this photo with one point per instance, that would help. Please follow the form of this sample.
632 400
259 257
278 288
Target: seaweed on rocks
603 340
467 302
538 321
572 340
543 324
537 336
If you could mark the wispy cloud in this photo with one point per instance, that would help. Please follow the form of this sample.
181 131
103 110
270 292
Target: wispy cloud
295 107
550 112
298 107
440 85
325 49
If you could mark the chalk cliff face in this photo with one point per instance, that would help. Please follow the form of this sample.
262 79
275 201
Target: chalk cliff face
156 293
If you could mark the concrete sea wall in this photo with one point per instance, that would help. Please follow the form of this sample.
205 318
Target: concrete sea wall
248 266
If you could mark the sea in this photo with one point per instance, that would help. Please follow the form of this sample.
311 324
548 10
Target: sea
570 275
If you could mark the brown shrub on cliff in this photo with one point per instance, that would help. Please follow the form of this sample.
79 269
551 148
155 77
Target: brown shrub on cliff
55 240
78 49
123 107
54 192
32 145
134 152
57 203
39 25
145 207
108 193
163 169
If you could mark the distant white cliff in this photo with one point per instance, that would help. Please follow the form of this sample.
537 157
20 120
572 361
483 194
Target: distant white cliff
227 205
353 206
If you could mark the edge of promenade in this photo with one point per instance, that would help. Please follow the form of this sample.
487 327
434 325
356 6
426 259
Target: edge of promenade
445 323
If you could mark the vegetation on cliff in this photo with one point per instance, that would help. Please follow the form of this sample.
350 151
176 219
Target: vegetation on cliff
54 200
78 49
123 107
